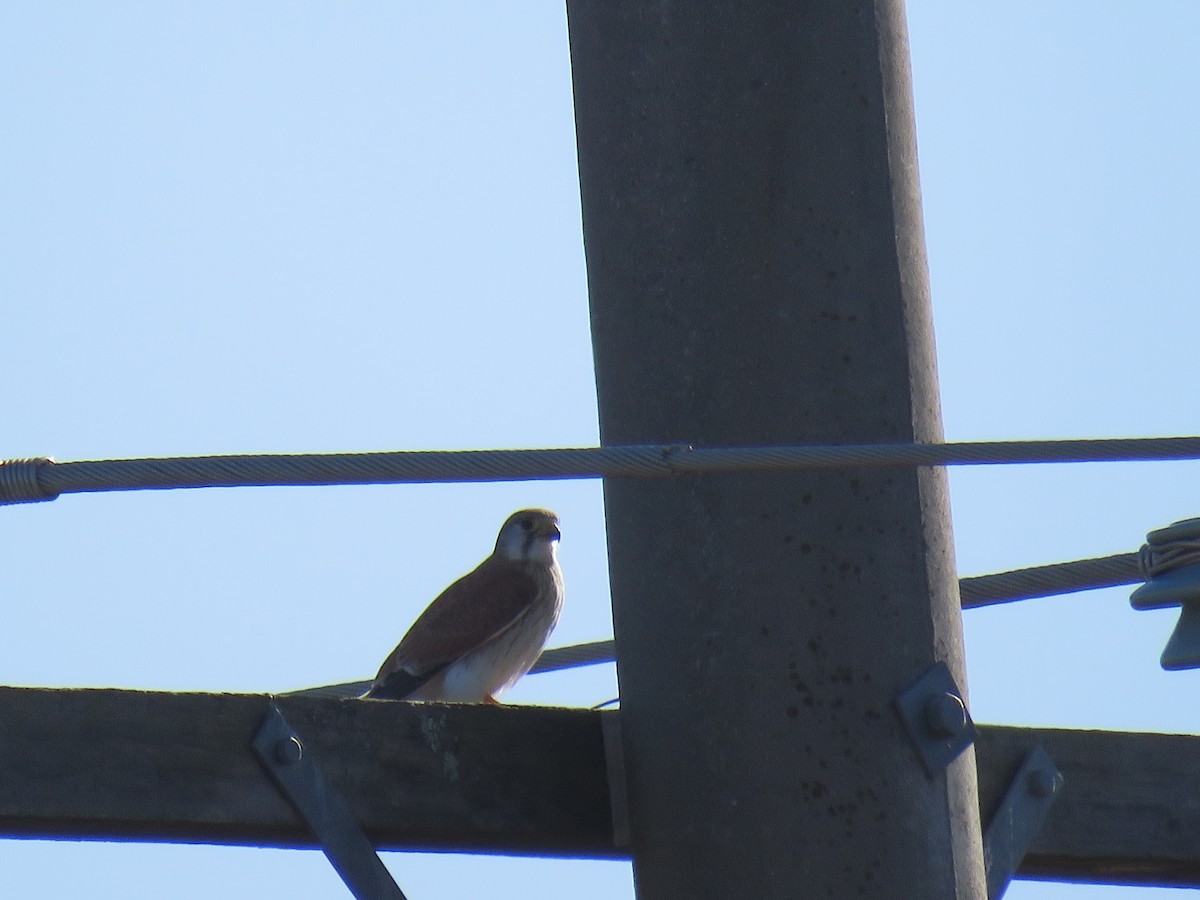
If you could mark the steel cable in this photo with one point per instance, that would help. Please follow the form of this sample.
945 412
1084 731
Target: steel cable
977 591
23 481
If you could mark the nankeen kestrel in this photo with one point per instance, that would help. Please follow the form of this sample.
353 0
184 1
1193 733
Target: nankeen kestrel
487 629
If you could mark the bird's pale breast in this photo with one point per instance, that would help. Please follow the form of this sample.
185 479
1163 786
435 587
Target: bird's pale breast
495 666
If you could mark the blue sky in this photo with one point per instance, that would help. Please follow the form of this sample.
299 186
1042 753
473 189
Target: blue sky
298 227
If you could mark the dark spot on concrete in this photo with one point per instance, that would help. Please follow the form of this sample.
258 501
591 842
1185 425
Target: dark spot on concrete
792 712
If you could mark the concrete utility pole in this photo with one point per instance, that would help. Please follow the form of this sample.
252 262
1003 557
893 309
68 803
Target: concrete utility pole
757 275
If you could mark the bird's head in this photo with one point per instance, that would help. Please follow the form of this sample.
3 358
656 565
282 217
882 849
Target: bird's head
529 536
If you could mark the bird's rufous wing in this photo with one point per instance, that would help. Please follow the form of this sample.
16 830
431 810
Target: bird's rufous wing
478 607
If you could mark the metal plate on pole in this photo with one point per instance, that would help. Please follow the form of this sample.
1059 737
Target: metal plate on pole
937 720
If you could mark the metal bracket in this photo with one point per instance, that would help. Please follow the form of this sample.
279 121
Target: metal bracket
299 776
936 718
1019 818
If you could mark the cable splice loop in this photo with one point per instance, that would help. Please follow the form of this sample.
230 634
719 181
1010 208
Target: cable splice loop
1170 562
1170 548
19 481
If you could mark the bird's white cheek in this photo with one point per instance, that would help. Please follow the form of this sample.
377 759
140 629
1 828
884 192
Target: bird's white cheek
545 552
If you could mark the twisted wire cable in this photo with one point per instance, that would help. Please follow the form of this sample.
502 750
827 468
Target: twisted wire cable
30 480
977 591
24 480
1051 580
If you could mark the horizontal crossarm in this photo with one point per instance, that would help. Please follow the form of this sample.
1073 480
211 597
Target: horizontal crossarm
135 765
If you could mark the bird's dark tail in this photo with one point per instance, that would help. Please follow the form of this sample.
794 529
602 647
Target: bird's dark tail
399 685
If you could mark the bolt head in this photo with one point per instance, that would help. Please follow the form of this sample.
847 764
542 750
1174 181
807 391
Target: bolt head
288 751
1043 782
945 715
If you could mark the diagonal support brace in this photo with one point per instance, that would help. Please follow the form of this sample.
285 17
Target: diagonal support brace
1019 818
298 774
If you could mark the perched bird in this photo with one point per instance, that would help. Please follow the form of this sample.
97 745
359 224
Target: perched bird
488 628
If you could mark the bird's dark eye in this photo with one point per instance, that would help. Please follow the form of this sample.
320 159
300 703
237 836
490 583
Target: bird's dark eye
527 524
